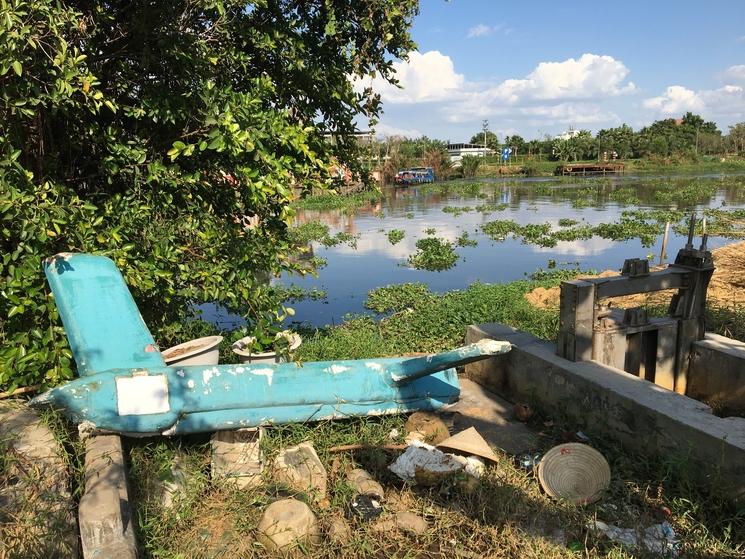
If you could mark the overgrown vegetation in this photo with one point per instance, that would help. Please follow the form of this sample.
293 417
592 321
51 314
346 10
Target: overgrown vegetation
169 138
337 201
320 233
420 320
395 236
506 510
433 254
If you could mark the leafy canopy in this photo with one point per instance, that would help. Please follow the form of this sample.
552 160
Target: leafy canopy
170 137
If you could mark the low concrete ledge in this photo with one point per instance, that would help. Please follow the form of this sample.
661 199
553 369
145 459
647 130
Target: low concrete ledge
105 516
641 415
717 373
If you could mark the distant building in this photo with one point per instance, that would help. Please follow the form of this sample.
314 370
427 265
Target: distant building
571 133
457 151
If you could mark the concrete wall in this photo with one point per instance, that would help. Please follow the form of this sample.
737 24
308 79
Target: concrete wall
717 373
640 415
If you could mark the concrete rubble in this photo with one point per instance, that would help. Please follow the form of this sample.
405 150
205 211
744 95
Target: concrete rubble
286 523
236 455
363 484
300 468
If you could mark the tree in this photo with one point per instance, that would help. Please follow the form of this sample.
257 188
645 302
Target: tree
620 140
736 138
492 142
160 134
580 146
517 143
470 164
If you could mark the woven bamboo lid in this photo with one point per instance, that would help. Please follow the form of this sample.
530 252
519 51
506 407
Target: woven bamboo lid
469 442
574 472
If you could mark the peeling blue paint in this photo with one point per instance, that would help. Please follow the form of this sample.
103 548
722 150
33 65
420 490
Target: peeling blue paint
126 387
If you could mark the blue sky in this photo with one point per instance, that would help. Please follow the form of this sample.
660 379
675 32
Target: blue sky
539 67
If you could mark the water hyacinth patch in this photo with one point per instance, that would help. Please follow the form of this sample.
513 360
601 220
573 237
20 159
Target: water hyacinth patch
433 254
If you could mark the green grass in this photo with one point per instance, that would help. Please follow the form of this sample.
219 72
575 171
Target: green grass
505 514
415 319
338 201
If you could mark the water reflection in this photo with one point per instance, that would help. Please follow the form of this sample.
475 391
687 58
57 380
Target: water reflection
351 273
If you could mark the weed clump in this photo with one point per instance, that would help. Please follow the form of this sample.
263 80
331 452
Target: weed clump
433 254
395 236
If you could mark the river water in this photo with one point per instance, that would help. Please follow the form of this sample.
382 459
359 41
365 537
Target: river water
351 272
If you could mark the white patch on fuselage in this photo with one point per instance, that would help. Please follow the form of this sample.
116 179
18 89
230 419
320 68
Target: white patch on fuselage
190 383
180 373
336 369
142 395
207 374
374 366
268 373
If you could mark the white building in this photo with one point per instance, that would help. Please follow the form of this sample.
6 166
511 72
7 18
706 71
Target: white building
571 133
457 151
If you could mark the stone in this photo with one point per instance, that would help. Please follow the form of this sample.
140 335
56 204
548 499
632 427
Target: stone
338 530
411 523
286 523
236 455
432 428
35 500
300 468
404 521
363 484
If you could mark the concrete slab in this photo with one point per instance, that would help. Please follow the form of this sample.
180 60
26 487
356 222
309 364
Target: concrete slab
237 456
717 373
640 415
104 514
37 512
493 418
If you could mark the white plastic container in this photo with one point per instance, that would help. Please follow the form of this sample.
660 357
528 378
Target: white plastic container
246 356
202 351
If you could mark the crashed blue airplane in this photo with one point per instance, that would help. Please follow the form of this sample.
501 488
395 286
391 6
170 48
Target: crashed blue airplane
125 386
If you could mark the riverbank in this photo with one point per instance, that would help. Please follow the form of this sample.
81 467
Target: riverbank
505 510
493 167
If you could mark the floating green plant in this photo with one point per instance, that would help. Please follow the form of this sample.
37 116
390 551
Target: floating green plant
433 254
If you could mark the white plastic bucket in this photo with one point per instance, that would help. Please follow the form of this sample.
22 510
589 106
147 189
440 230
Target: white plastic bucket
202 351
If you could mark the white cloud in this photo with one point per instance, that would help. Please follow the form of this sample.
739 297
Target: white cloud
383 130
566 92
556 93
741 39
479 31
482 30
676 100
735 73
425 77
588 76
728 100
725 101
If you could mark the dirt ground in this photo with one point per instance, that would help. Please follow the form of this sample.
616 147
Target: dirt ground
727 287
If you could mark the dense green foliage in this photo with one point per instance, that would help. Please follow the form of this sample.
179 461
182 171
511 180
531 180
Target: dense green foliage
687 137
419 320
169 137
433 254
